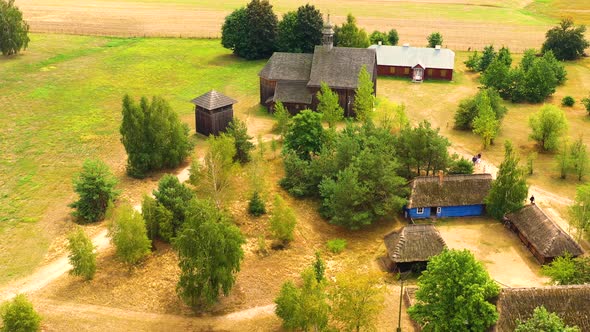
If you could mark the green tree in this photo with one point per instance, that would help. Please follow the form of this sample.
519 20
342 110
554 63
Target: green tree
548 125
497 76
364 100
504 56
487 57
283 118
566 40
392 117
485 123
461 166
129 235
256 205
309 28
305 134
568 101
153 136
540 81
357 300
287 40
563 158
18 315
392 37
453 294
469 108
509 190
378 36
472 63
239 132
297 176
579 212
350 35
14 31
328 105
95 186
174 197
567 270
435 39
579 158
282 221
304 307
586 103
209 252
251 32
81 254
215 173
158 219
556 66
319 267
528 59
543 320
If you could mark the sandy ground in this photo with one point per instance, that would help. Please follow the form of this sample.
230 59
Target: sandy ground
126 18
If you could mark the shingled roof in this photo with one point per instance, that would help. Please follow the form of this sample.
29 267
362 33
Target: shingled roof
340 66
287 67
456 190
213 100
292 92
414 243
547 237
407 56
571 303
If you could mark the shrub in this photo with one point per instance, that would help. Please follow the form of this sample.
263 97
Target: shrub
129 235
434 39
586 103
18 315
568 101
256 205
461 166
14 31
82 256
96 187
336 246
282 221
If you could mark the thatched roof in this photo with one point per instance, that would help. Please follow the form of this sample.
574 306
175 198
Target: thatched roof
547 237
571 303
292 92
340 66
455 190
287 67
213 100
414 243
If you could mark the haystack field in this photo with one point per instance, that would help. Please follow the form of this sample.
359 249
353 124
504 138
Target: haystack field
518 24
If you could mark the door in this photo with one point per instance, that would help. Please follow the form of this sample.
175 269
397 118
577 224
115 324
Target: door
418 74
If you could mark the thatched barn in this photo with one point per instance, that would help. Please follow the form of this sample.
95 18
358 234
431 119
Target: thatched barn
295 78
571 303
418 63
213 112
543 237
411 247
445 196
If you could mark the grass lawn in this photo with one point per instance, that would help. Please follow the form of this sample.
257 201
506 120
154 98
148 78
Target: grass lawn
61 104
577 9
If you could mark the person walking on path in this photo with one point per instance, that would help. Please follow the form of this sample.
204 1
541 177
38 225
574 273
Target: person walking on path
532 200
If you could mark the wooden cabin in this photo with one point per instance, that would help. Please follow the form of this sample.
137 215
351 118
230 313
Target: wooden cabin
213 113
410 248
543 237
417 63
294 78
446 196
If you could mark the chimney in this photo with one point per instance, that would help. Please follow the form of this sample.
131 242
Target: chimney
379 43
437 47
406 45
440 178
328 35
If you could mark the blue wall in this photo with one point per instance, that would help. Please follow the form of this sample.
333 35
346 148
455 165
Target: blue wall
447 211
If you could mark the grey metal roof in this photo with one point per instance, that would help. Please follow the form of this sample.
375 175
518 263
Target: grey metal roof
288 67
340 66
407 56
292 92
213 100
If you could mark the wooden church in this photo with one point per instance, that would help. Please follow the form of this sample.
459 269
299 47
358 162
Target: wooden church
213 113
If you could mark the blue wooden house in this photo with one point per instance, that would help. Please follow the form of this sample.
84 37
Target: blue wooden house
448 196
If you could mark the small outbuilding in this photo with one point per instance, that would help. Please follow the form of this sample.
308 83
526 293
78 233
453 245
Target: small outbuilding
446 196
418 63
543 237
410 248
213 112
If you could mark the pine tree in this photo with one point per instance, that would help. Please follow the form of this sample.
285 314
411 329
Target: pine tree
509 190
239 132
18 315
364 99
256 205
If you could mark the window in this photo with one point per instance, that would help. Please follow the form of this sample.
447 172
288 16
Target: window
429 71
406 71
392 70
443 73
438 210
420 210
